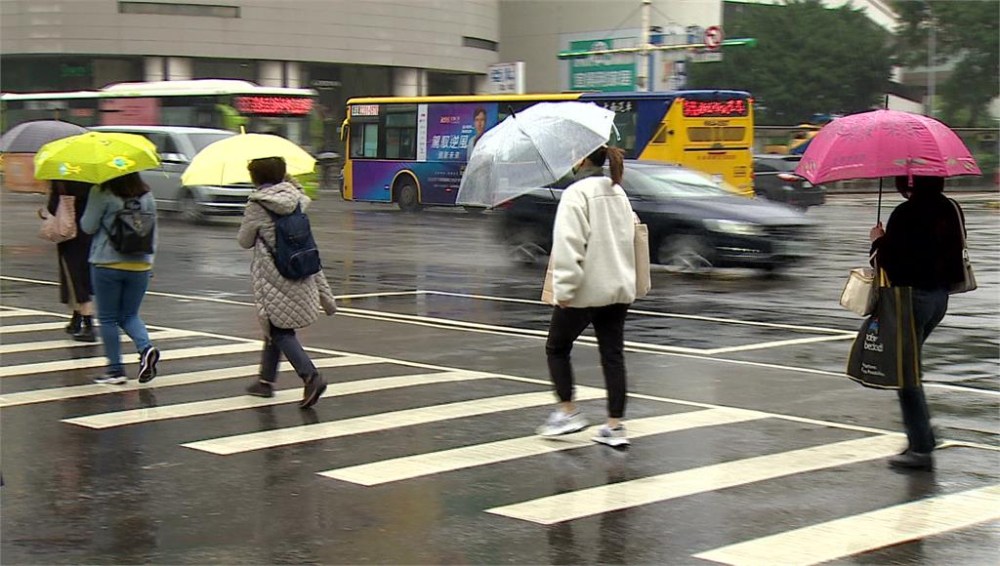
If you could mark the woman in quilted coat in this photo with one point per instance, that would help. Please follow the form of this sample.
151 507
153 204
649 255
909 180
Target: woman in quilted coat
283 305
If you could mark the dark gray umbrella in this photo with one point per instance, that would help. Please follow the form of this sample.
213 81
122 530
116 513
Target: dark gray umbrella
29 137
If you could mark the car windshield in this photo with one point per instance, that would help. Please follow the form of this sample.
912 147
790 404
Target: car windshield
670 183
201 141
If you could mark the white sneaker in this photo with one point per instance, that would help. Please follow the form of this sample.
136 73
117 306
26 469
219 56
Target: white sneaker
614 437
111 379
562 423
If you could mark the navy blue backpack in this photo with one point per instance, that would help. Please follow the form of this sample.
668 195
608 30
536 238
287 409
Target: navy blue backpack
295 253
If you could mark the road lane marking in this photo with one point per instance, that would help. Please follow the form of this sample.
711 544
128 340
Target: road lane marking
101 361
211 406
36 327
12 313
663 487
653 313
380 422
22 347
778 344
385 471
637 347
865 532
166 380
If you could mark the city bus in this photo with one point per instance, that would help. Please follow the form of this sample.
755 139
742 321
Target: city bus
413 150
204 103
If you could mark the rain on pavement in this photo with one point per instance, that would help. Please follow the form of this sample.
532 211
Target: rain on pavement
724 368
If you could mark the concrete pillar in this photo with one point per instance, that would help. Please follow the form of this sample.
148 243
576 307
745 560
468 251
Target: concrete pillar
154 69
180 69
269 73
293 74
479 84
408 82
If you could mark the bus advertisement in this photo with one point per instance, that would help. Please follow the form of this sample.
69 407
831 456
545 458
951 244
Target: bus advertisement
412 151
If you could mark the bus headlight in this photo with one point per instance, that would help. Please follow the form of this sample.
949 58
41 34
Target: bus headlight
735 227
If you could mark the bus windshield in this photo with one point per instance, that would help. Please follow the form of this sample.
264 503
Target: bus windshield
201 141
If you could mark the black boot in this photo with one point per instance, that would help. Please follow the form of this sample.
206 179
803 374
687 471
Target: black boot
74 323
315 386
85 331
911 460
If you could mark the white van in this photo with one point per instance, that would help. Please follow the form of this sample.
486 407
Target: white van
177 147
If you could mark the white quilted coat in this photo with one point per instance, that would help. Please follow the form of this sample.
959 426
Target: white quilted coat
282 302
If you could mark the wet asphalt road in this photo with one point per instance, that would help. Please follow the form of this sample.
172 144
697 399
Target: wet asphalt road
132 493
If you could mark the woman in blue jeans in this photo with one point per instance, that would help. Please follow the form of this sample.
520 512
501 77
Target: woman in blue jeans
921 247
120 280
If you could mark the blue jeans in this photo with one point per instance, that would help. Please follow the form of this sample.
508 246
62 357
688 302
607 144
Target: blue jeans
119 295
929 308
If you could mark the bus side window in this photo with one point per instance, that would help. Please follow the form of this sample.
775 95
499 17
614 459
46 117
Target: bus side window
364 140
401 135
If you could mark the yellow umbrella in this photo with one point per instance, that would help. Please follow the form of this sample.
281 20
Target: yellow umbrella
225 161
95 157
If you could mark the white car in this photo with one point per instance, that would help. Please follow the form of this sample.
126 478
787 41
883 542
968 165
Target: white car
177 147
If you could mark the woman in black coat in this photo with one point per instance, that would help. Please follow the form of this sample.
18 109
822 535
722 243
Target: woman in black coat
75 289
921 247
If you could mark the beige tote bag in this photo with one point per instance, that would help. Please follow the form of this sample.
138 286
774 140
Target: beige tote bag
61 226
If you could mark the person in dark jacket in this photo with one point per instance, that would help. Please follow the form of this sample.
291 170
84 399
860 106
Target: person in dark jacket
75 289
921 247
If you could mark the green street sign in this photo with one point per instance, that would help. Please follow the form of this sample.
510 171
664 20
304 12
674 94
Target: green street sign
603 73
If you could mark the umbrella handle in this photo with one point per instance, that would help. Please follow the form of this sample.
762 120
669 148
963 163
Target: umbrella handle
878 216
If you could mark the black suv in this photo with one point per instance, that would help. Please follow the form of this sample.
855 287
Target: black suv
774 178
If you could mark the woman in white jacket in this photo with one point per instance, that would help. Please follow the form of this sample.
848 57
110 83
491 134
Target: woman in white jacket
593 281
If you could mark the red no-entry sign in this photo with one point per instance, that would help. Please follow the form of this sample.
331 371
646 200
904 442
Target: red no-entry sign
713 37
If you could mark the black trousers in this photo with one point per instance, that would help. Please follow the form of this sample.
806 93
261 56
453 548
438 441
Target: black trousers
609 325
284 341
929 308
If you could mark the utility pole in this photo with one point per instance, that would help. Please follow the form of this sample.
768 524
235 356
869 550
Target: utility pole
642 76
931 56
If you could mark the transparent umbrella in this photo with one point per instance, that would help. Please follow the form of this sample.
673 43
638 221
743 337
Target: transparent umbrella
532 149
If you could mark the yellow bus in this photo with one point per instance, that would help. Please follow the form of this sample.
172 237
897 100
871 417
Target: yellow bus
412 150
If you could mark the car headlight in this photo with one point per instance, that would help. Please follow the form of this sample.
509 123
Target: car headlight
735 227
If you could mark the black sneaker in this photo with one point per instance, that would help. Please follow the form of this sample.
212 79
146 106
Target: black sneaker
147 364
261 389
314 389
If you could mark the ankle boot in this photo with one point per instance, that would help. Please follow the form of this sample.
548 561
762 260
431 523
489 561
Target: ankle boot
85 332
74 323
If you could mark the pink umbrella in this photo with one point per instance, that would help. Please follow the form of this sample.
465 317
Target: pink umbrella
885 143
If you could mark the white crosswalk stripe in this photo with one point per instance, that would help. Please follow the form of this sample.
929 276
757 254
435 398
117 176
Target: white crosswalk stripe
182 410
397 469
101 361
865 532
5 314
35 327
57 344
170 380
379 422
613 497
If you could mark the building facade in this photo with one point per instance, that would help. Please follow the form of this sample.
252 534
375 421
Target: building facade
342 48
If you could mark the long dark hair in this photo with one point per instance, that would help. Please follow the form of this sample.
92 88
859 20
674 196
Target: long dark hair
615 158
127 186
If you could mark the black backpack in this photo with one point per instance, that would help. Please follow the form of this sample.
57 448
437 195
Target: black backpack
132 229
295 253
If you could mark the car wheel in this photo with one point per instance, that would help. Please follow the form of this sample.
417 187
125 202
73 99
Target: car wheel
474 209
189 209
684 254
407 197
525 244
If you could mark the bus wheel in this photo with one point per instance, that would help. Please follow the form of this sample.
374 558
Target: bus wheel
407 197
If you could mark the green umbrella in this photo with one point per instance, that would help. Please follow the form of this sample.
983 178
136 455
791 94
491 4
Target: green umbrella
95 157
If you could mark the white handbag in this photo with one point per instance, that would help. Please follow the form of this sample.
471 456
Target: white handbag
859 294
968 282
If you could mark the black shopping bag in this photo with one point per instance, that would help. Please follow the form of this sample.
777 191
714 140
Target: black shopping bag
886 352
